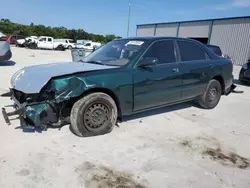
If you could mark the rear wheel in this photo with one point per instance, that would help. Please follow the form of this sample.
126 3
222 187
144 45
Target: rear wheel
69 47
212 95
60 48
94 114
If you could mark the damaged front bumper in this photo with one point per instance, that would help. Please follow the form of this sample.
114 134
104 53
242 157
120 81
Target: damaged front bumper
32 114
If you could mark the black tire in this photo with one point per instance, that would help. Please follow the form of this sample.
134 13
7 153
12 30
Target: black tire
33 46
94 114
212 95
60 48
69 47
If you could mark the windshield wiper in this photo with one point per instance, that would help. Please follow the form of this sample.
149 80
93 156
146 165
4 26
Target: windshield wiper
95 62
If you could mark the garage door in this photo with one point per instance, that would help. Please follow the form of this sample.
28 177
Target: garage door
233 37
195 29
166 30
145 30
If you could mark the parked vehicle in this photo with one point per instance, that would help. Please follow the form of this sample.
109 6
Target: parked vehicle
13 38
45 42
215 49
5 52
123 77
244 75
31 42
67 43
88 45
23 42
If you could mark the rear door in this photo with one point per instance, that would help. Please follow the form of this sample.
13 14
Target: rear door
196 67
49 43
159 84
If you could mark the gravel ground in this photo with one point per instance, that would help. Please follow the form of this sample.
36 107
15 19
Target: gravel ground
175 147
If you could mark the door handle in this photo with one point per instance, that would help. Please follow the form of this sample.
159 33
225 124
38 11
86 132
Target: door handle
210 65
175 70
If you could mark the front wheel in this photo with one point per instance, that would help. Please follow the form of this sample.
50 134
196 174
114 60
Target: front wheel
33 46
94 114
212 95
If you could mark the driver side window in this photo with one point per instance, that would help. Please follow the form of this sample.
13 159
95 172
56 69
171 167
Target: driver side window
42 39
164 51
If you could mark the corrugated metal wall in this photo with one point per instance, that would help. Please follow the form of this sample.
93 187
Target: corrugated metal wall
166 30
145 30
195 29
233 36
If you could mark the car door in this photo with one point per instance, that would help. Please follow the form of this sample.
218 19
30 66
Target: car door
196 67
158 84
49 43
41 42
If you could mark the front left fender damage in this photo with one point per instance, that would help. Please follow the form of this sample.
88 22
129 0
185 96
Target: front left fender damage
66 88
52 105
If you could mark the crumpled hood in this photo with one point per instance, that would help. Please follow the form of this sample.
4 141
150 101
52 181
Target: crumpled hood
32 79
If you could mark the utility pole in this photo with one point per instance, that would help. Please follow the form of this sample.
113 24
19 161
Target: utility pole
129 11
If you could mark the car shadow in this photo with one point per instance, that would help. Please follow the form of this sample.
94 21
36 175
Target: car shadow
139 115
7 63
161 110
31 129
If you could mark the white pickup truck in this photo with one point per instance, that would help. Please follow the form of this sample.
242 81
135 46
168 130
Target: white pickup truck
67 43
45 42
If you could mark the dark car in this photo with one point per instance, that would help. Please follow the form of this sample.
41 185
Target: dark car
14 38
244 75
215 49
123 77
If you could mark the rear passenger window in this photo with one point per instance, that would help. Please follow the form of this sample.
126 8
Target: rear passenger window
190 51
163 50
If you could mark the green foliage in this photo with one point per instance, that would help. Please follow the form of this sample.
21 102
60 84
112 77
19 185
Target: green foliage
9 28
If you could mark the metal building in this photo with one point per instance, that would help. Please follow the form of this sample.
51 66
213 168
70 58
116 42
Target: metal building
231 34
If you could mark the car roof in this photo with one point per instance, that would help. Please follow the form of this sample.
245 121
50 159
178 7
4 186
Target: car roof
153 38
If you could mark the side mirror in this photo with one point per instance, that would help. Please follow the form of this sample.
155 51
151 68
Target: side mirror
148 61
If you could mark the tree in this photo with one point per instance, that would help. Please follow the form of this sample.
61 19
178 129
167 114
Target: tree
10 28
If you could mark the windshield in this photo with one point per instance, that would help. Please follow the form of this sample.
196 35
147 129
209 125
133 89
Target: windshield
117 52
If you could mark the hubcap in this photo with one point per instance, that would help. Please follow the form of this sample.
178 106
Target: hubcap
96 115
212 95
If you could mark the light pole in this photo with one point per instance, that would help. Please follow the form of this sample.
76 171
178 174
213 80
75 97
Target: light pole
129 11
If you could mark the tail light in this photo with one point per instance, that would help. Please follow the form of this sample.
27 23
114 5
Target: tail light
3 38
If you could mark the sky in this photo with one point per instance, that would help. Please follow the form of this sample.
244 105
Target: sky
111 16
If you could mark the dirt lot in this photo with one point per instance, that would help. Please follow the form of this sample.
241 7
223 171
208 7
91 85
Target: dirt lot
174 147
